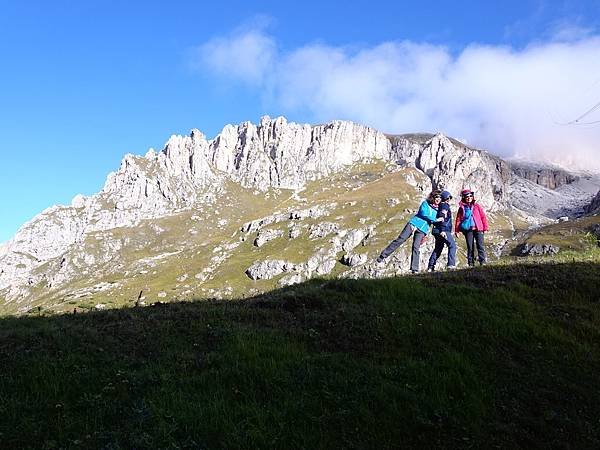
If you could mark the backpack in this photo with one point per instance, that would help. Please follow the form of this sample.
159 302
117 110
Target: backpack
467 222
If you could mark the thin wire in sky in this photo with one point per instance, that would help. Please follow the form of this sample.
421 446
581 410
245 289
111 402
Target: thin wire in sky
577 121
588 112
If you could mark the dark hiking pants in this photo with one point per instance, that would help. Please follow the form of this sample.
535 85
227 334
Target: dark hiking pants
474 239
408 230
440 243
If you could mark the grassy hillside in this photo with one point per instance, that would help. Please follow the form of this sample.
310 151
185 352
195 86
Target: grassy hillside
494 357
164 257
202 252
571 236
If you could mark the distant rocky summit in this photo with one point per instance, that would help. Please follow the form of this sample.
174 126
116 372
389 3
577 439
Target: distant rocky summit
322 190
546 176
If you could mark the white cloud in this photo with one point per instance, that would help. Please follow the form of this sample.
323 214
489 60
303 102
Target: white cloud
509 101
245 55
567 31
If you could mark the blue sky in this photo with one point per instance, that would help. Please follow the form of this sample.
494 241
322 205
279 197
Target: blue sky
84 82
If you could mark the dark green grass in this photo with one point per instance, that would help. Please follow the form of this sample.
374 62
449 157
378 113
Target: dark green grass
495 357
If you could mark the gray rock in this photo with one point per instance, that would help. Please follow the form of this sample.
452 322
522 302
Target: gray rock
594 205
322 229
323 260
265 236
311 213
353 238
539 249
596 230
255 225
452 166
265 270
566 200
544 175
290 279
325 267
498 248
355 259
295 232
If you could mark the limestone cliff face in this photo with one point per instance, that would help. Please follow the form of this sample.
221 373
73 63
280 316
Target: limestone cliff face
548 177
160 182
287 155
453 167
191 170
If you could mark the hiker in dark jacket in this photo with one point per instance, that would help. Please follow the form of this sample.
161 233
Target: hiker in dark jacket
472 222
418 227
442 232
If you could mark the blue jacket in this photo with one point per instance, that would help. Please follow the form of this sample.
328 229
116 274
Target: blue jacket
445 212
424 217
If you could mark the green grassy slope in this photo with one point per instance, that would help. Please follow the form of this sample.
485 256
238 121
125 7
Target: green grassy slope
494 357
166 258
152 256
571 236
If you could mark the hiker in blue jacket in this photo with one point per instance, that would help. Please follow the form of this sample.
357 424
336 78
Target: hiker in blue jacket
418 227
442 232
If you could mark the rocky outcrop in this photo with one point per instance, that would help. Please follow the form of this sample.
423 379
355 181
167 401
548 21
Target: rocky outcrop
257 224
279 154
567 200
548 177
538 249
453 166
265 236
294 232
321 262
313 213
594 205
354 259
265 270
322 229
354 238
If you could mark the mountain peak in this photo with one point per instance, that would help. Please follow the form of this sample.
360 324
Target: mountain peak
191 172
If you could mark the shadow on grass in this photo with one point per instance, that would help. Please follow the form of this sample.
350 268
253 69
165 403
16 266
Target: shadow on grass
503 356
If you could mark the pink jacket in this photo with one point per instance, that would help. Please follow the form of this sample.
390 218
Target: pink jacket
479 217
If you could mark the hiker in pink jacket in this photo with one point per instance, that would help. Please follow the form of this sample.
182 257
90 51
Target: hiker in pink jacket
472 222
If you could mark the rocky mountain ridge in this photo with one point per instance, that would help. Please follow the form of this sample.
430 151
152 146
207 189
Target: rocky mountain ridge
544 175
193 174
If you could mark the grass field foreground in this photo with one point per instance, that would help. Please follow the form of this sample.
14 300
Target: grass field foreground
495 357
